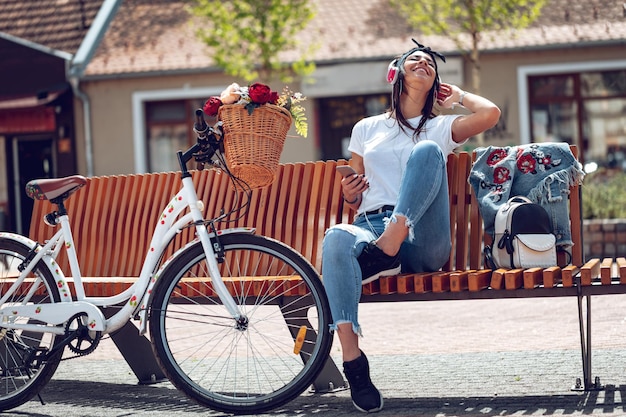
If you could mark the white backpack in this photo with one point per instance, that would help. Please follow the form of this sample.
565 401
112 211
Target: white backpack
523 236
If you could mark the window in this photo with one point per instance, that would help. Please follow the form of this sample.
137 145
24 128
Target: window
169 127
587 109
340 114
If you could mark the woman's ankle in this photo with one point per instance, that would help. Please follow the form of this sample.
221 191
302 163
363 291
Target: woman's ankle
391 239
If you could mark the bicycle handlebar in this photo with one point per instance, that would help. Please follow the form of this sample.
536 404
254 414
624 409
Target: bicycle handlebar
208 142
200 125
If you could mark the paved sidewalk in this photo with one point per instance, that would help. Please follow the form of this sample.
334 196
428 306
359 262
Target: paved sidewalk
444 358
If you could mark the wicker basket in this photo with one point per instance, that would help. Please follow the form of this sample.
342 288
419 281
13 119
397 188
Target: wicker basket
253 142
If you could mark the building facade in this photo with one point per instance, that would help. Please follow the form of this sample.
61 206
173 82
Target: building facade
562 79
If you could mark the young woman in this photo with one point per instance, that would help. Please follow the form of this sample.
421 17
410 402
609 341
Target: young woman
400 194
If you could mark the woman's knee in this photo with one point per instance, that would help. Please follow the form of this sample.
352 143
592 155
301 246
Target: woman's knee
427 149
338 242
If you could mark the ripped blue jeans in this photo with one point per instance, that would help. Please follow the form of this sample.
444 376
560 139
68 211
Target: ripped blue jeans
423 201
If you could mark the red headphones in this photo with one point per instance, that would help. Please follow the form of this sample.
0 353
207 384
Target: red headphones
395 66
393 72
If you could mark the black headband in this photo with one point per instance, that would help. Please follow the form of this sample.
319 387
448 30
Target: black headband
427 49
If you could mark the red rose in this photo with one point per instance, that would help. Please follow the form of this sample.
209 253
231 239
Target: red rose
212 105
260 93
274 97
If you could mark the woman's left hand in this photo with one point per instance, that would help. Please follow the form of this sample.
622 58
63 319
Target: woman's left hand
448 95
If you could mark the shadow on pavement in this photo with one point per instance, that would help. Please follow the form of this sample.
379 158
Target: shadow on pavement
61 396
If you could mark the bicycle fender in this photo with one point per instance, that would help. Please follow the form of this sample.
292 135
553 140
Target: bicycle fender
61 282
146 301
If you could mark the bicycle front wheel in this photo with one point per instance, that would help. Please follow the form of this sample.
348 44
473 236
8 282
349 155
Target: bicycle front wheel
259 362
24 367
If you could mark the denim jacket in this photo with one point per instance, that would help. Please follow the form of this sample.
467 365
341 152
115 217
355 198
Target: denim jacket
543 172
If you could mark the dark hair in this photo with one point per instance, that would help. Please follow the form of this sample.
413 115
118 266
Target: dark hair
396 93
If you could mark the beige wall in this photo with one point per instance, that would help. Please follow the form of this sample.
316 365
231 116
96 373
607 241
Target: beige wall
112 115
112 121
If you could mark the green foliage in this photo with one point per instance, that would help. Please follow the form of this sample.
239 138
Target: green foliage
247 36
453 17
604 195
299 121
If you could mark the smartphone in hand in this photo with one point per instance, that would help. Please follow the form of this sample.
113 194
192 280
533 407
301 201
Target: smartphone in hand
346 170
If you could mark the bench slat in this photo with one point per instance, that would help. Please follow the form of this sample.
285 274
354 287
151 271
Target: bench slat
479 280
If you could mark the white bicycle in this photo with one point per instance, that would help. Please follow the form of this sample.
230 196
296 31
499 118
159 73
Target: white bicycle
238 322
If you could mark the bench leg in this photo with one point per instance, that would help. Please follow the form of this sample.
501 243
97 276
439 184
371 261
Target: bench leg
137 351
330 378
584 323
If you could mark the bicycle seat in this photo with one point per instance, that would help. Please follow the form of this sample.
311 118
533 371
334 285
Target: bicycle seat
49 189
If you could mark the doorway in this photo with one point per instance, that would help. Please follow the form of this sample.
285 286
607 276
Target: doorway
28 157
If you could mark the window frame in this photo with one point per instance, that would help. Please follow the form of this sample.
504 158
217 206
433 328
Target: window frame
526 71
139 98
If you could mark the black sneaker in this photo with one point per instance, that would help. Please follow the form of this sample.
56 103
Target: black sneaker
365 396
375 263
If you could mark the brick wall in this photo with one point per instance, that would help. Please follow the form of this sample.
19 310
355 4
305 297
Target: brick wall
604 238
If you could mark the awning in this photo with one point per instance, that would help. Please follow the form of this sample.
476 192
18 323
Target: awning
28 114
30 101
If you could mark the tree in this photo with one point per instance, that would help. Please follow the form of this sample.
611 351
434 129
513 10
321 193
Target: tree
460 19
247 36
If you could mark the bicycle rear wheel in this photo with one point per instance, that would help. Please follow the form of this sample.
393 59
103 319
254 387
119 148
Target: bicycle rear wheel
255 364
23 370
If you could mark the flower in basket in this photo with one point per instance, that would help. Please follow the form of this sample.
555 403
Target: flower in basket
256 95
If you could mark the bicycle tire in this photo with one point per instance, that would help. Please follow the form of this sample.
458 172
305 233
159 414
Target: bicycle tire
233 367
20 383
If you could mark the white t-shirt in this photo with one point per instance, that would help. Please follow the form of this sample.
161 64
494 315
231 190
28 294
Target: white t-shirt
385 149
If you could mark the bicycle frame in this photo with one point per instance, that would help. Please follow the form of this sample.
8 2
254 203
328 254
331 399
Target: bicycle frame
136 297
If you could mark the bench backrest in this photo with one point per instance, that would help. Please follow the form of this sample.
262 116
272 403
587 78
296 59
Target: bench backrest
113 216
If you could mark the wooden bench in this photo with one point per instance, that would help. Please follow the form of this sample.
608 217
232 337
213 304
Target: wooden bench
113 218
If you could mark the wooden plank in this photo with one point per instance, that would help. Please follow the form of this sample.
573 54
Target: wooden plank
551 277
459 280
462 211
568 274
423 282
441 282
388 285
316 231
513 279
497 279
532 277
621 268
451 168
405 284
589 271
605 271
371 288
479 280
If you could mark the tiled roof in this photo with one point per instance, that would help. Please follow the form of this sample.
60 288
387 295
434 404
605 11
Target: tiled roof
157 36
148 38
56 24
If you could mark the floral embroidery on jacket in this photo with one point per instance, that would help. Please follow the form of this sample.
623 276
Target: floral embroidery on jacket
543 172
528 160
